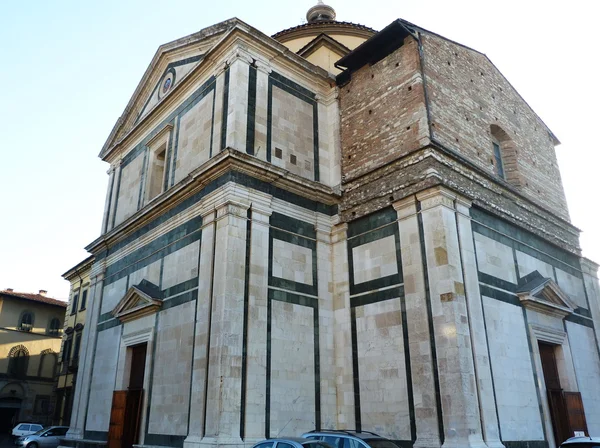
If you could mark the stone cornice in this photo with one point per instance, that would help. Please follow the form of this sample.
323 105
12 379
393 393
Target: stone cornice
224 162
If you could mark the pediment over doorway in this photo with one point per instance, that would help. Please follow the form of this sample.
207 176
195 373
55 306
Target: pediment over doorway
140 300
543 294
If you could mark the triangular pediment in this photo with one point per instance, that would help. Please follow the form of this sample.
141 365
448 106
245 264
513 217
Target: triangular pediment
544 295
323 40
172 63
140 300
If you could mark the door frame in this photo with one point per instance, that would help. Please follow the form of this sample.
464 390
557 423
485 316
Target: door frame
133 335
566 368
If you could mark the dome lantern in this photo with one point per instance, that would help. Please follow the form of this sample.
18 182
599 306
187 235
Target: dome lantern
320 13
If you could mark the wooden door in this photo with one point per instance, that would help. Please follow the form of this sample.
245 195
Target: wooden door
575 413
556 402
126 412
117 419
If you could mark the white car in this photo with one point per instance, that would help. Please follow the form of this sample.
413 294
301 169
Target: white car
24 429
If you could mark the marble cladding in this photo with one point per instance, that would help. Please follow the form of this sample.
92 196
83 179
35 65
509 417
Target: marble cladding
587 369
292 369
573 286
292 123
194 137
103 380
129 189
527 264
150 273
375 259
516 396
171 386
112 294
292 262
382 370
181 265
495 258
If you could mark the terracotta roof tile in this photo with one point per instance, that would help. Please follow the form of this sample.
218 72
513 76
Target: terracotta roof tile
320 23
34 297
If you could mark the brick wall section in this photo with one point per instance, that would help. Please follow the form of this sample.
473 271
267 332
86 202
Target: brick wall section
467 95
383 113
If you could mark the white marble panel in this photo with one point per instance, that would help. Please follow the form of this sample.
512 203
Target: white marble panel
103 379
375 260
129 189
194 137
171 386
292 262
112 294
150 273
292 133
292 369
528 264
494 258
573 286
181 265
382 370
587 370
516 394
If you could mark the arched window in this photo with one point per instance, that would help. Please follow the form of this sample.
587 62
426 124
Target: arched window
54 328
18 361
48 361
504 156
26 321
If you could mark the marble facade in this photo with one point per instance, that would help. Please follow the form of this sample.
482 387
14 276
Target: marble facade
266 312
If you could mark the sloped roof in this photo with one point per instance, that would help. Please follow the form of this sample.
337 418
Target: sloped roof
34 298
321 24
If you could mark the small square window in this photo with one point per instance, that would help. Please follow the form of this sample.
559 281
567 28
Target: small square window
307 165
293 159
278 153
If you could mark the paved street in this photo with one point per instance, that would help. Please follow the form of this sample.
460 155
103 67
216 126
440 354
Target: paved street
6 441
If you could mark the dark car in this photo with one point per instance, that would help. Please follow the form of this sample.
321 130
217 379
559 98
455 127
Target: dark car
581 442
291 442
350 439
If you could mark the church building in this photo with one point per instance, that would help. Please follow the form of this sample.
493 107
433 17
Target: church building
331 228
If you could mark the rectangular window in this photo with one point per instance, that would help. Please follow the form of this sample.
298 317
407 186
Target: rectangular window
83 300
156 172
77 346
74 304
498 160
66 355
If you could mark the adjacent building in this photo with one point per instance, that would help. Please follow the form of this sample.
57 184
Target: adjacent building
79 278
30 334
334 227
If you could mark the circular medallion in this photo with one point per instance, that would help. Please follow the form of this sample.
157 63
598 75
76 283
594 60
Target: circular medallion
166 84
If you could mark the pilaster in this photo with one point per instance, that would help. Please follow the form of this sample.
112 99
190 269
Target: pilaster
326 318
458 385
341 322
202 338
262 98
224 378
256 361
237 108
107 202
483 372
88 348
419 336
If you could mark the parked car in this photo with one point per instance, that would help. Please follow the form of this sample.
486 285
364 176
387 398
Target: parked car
350 439
45 438
24 429
290 442
581 442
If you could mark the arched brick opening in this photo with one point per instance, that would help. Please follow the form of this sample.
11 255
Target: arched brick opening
508 151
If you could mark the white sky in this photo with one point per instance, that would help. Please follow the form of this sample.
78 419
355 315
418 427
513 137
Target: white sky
68 68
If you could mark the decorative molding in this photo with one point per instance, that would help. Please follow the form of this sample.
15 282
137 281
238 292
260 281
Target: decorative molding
545 296
139 301
548 334
160 135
